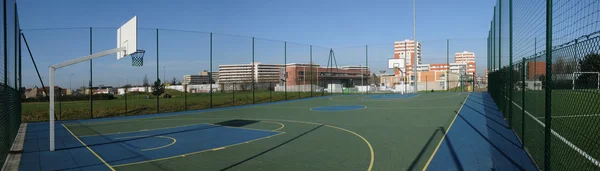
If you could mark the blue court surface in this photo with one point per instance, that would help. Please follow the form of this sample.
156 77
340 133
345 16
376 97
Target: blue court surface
130 147
479 139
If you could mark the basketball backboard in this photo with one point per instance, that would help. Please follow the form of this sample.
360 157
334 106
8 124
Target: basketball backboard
396 63
127 37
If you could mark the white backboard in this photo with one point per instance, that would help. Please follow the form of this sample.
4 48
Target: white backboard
396 63
127 37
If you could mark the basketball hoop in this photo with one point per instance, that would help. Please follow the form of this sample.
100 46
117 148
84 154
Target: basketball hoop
137 58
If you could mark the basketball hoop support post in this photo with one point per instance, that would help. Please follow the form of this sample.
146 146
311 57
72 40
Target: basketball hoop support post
52 68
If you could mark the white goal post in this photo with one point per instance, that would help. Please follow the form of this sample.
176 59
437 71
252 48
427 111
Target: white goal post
127 37
577 74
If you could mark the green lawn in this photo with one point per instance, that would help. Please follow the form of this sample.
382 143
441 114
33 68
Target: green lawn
138 104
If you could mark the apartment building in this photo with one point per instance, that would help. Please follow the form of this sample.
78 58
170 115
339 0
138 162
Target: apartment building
203 78
406 50
245 73
466 57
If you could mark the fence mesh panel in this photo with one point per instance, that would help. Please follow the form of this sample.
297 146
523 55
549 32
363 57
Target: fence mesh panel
568 81
10 106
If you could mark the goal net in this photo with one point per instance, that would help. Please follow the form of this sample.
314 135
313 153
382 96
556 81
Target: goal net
586 80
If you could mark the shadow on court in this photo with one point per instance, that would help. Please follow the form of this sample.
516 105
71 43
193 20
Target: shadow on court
480 139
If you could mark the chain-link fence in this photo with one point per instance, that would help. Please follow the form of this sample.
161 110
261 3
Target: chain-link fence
10 77
544 69
198 70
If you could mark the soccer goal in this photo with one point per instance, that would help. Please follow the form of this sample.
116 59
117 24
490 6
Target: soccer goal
126 47
586 80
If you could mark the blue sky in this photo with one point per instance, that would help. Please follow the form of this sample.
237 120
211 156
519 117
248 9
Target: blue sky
345 25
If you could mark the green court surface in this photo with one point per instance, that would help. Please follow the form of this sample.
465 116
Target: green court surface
574 112
352 132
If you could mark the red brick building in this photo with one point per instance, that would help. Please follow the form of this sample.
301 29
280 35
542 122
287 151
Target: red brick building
300 74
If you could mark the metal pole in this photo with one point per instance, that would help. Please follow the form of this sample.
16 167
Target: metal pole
311 72
510 76
548 104
415 45
91 79
405 68
502 93
270 92
523 105
285 68
233 99
253 74
59 103
211 73
126 88
70 88
448 64
367 64
185 97
157 75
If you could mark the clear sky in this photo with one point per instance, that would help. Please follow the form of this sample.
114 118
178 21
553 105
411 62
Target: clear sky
345 25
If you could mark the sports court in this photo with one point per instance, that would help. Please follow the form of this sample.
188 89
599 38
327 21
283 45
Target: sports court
396 133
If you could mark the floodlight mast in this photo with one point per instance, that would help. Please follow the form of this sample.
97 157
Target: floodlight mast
52 68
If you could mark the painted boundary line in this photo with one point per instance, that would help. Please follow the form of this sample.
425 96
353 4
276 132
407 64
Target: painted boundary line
445 134
563 139
98 156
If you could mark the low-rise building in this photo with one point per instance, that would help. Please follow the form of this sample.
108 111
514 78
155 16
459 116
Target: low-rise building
203 78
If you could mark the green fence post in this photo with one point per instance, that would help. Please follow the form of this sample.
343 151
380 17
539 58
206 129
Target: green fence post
510 77
270 92
185 98
448 64
523 105
157 75
59 103
367 64
548 92
91 80
211 70
253 75
311 72
285 69
126 87
502 94
233 97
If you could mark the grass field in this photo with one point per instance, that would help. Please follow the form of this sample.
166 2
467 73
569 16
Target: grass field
387 132
575 124
138 104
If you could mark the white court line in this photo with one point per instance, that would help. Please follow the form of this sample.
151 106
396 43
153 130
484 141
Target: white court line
569 143
572 116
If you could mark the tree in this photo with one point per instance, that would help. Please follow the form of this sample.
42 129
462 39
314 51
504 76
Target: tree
145 83
589 63
158 88
222 87
174 81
